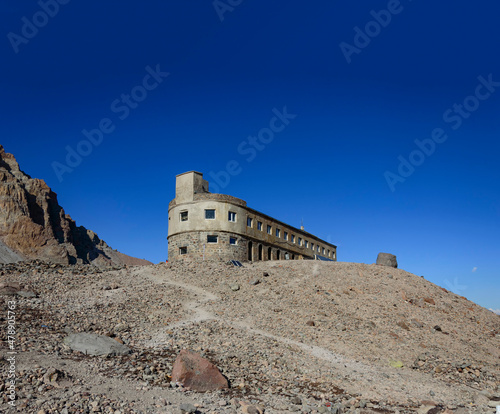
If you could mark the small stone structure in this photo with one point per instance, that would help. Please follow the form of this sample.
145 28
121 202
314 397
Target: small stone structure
387 259
203 225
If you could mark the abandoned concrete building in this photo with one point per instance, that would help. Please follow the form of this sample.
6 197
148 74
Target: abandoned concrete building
205 225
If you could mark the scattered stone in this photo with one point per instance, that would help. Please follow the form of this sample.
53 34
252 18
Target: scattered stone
310 323
247 408
121 327
9 289
416 323
93 344
254 282
437 328
265 274
235 287
430 301
197 373
26 294
387 259
187 408
403 325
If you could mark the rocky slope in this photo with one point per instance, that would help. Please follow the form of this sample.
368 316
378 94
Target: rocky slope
34 226
290 336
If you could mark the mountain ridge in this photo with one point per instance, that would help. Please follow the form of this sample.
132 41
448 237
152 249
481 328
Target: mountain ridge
34 226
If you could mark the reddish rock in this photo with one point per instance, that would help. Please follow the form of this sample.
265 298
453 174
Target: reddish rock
197 373
430 301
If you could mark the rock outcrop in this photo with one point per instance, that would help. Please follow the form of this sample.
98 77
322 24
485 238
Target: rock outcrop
34 226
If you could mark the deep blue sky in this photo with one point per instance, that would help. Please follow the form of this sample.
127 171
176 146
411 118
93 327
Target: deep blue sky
327 167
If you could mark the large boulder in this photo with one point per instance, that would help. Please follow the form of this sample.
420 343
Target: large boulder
93 344
387 259
197 373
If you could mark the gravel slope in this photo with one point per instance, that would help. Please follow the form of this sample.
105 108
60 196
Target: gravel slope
297 336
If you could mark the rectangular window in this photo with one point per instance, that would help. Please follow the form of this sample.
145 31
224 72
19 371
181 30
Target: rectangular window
293 238
269 229
212 239
183 250
184 216
259 225
233 241
317 249
278 232
231 216
249 222
328 253
306 243
210 214
323 251
285 235
312 246
300 241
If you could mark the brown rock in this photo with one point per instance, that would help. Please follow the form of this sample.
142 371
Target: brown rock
403 325
197 373
34 226
310 323
430 301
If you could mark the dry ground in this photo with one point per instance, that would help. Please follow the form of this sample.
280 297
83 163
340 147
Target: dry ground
372 338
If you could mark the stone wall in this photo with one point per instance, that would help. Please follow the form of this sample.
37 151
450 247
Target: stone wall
198 247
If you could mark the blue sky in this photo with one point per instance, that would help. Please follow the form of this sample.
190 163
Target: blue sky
391 142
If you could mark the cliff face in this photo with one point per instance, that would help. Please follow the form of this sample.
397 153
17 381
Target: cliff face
34 226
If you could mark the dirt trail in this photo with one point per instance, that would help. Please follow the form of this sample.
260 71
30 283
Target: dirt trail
378 379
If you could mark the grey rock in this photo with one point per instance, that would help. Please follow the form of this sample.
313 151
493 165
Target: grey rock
235 287
121 327
93 344
187 408
387 259
254 282
338 409
296 400
26 294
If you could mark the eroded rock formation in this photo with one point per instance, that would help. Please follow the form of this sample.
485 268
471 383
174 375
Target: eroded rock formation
34 226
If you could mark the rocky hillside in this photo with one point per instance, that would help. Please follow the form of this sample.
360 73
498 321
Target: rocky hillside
289 336
34 226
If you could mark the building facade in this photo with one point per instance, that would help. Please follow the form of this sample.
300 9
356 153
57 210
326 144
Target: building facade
205 225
